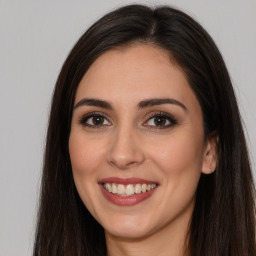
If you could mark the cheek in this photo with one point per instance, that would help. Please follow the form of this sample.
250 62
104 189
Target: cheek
180 161
85 157
178 153
85 154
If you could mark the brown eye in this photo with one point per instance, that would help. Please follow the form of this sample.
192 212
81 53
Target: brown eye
94 120
97 120
160 121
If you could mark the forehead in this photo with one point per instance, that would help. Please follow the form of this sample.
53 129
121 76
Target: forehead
135 72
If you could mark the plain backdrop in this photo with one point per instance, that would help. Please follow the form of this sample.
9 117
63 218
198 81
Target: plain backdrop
35 38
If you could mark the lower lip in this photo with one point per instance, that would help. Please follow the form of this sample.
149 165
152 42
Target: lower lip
126 200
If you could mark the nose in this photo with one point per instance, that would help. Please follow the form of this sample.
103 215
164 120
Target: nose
125 150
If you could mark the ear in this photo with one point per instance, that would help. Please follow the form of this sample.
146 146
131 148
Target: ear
210 157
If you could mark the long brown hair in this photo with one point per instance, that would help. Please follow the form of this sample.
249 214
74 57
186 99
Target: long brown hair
223 221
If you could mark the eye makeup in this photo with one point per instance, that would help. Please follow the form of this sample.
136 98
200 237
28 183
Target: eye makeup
155 120
160 120
94 120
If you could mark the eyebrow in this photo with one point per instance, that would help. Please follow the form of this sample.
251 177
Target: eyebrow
155 102
142 104
93 102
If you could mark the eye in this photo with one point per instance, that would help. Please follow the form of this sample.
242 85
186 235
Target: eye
94 121
160 121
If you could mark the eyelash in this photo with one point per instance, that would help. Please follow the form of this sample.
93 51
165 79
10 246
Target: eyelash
167 117
84 120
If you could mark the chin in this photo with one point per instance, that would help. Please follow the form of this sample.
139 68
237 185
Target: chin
128 232
128 227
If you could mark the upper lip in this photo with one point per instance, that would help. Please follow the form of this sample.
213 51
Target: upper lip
126 181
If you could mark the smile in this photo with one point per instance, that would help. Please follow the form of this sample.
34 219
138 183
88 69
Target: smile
128 190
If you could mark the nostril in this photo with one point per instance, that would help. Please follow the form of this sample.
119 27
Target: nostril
123 164
125 152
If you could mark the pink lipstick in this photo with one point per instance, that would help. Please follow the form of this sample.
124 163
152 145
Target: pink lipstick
127 191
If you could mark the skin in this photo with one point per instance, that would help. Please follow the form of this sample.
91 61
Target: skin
128 143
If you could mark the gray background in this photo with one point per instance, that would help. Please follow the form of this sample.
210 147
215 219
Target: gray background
36 36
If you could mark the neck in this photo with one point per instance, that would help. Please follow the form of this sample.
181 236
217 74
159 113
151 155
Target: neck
170 240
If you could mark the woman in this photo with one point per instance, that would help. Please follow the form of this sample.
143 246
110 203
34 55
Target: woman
145 151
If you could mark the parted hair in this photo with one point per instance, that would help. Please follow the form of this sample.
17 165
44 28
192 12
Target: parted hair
223 220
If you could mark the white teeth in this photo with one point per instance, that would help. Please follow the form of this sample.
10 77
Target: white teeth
114 189
144 188
128 190
150 187
137 188
108 187
120 189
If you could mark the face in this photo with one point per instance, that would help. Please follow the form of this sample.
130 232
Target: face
137 144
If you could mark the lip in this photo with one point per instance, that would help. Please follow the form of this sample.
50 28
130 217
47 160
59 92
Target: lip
126 200
126 181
